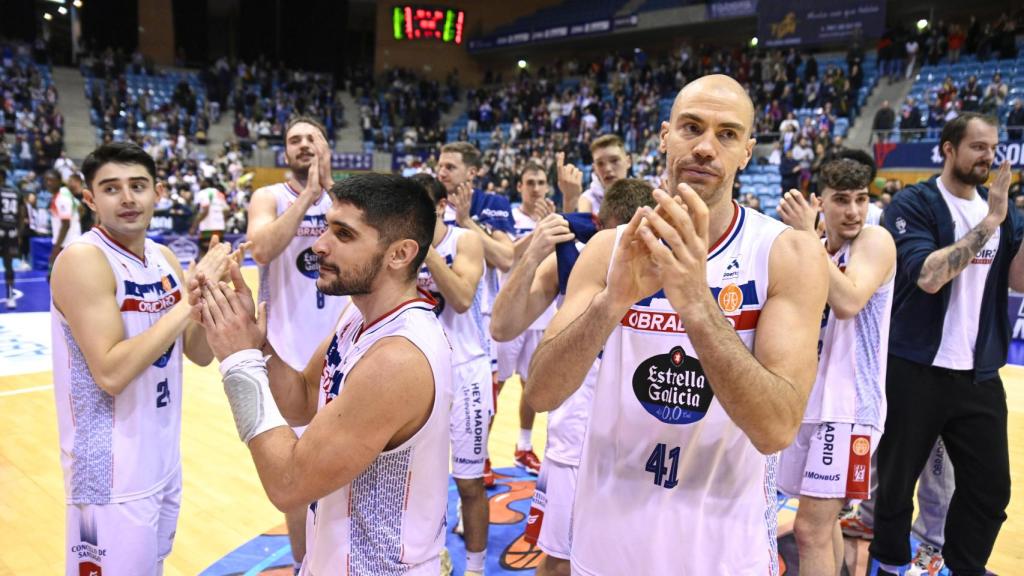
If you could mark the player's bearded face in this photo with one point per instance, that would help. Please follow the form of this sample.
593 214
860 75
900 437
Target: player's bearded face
972 159
350 280
970 169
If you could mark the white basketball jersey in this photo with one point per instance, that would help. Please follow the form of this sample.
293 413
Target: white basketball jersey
467 331
850 386
595 194
525 225
489 282
567 424
668 483
391 518
299 316
124 447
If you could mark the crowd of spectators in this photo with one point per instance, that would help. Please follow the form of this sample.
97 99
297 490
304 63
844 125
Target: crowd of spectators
565 105
901 51
402 111
263 96
124 103
950 45
31 125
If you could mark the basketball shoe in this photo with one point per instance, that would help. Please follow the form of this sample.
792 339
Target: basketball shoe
853 527
527 460
927 562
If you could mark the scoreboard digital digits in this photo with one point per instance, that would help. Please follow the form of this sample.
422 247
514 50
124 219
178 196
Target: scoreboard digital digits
420 23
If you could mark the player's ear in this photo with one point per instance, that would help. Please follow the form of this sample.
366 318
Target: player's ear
160 188
89 199
402 253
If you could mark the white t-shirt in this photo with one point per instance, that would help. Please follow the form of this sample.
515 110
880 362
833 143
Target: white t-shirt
65 207
217 203
960 327
874 215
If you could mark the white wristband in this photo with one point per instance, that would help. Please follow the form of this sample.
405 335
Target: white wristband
247 387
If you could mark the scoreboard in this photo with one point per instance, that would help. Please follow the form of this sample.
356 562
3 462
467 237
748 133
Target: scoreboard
423 23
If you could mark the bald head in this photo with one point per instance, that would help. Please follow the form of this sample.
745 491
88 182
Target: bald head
720 92
709 139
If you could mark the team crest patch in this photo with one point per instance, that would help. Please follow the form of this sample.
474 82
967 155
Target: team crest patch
673 388
861 446
730 298
901 225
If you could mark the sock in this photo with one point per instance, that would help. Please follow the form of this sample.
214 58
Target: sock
475 560
525 442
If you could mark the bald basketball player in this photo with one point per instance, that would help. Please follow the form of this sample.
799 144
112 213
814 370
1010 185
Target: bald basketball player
708 315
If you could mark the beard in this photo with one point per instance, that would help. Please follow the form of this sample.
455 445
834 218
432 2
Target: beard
356 283
299 168
973 176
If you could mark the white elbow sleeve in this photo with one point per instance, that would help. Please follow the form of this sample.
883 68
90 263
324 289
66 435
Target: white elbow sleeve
247 386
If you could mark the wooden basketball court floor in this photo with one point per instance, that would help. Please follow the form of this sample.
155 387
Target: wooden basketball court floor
223 503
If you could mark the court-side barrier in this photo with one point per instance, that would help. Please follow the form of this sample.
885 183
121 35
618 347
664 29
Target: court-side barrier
185 247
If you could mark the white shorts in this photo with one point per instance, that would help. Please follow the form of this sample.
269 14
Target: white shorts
130 537
550 522
514 356
829 460
492 346
472 408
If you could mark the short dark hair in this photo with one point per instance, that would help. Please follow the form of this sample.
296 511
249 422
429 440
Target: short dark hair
117 153
844 174
397 207
470 154
432 185
623 198
304 119
954 130
861 156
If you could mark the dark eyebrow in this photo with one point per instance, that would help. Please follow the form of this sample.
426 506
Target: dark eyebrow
343 225
699 120
132 179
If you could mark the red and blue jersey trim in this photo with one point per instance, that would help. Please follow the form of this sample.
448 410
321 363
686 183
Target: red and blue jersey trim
739 216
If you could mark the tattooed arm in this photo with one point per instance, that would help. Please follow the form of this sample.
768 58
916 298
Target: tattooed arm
946 263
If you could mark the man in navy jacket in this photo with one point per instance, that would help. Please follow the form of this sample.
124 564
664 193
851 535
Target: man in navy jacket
958 250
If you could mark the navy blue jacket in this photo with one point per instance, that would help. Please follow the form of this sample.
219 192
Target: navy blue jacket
920 222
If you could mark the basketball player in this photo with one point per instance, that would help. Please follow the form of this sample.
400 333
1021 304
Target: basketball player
209 221
451 273
12 223
536 282
376 395
830 461
708 315
489 216
958 251
65 214
611 163
119 330
514 355
284 221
